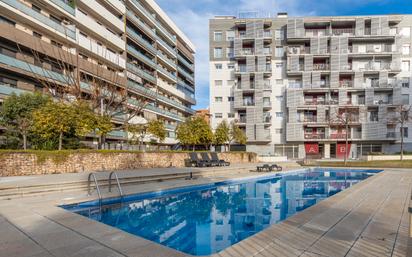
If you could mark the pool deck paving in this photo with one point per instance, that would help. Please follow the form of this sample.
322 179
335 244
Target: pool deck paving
370 218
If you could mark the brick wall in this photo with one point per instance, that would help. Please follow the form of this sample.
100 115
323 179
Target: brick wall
19 164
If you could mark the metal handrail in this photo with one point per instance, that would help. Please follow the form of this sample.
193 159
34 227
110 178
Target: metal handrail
95 182
118 183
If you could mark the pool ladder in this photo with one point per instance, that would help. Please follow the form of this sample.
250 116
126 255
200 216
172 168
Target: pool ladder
96 184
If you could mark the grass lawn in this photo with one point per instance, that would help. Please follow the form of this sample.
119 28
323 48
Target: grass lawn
378 164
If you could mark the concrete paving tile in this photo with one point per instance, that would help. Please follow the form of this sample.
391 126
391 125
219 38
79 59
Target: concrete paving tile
153 250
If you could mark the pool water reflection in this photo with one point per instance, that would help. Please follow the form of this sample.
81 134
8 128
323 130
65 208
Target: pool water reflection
209 220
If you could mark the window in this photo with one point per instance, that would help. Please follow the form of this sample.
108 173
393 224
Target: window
218 99
230 35
279 65
279 114
230 52
82 33
218 115
405 66
405 132
279 98
59 45
279 35
5 20
218 66
279 131
373 116
406 32
218 83
38 35
230 115
231 66
83 56
405 82
36 8
54 18
218 52
9 82
279 51
230 99
405 99
218 35
406 49
230 83
279 82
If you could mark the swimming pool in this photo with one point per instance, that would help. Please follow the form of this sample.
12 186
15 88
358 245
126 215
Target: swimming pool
206 219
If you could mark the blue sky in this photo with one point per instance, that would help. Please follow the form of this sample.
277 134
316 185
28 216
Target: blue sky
192 16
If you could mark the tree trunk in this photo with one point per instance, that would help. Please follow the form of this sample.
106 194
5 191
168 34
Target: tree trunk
401 142
193 148
24 141
346 143
60 140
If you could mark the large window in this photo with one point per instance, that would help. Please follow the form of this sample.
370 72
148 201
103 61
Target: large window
218 115
406 66
405 99
218 35
405 82
230 52
218 66
279 34
406 49
230 35
218 52
279 51
405 132
218 99
218 83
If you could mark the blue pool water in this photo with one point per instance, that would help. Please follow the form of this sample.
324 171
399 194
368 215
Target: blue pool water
206 219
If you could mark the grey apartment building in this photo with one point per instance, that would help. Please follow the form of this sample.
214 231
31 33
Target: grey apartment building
299 86
130 44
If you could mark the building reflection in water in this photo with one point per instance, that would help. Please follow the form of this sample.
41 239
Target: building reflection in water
208 221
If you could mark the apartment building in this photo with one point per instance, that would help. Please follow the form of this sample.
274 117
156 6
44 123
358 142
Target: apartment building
132 45
299 86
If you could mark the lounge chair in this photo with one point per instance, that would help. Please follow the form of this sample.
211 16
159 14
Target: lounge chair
195 161
221 162
206 158
275 166
264 167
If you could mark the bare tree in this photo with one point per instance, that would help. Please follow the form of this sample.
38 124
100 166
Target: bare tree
344 117
106 90
402 114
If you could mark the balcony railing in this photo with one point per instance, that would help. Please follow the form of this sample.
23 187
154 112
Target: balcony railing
315 136
137 20
346 83
315 102
246 51
247 102
242 119
267 119
316 32
294 85
310 119
167 73
186 63
64 5
338 136
140 39
185 73
141 56
166 59
65 30
343 31
141 72
392 134
321 66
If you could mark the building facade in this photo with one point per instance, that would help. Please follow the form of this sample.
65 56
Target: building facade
300 86
132 45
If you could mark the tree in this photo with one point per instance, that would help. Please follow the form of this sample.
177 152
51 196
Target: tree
138 133
403 113
56 119
16 113
343 117
194 131
157 129
222 133
236 135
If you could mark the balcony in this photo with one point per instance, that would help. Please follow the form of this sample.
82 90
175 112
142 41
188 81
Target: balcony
338 136
291 50
175 104
152 18
170 75
185 88
315 102
189 76
141 72
65 6
242 119
295 85
164 112
267 104
141 24
104 14
379 49
141 56
392 135
343 31
166 46
117 134
248 102
142 90
316 32
309 119
267 119
315 136
321 66
246 52
167 60
99 50
55 26
186 63
6 89
139 39
346 84
243 68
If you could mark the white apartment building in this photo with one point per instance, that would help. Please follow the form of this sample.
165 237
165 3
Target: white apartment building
288 81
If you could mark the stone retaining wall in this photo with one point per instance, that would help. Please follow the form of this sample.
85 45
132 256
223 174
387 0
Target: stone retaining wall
19 164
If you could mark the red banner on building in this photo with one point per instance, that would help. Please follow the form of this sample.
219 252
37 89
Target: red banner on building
312 148
340 150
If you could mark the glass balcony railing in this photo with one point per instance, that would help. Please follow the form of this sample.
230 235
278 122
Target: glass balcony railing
13 62
186 89
186 74
146 75
164 112
170 127
141 89
167 73
42 18
143 57
65 5
175 104
164 44
6 89
117 133
137 20
166 59
153 19
140 39
186 63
